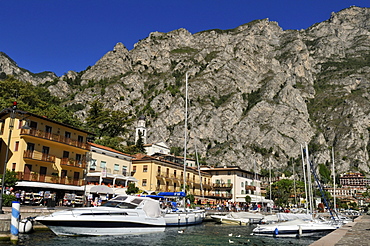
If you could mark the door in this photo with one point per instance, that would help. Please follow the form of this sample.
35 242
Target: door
30 149
27 172
76 177
45 153
42 174
63 176
48 130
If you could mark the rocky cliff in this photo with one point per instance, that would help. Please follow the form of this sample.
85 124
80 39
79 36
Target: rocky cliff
256 92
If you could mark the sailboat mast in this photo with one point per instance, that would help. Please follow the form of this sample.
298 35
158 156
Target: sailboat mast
309 180
335 205
200 176
304 178
270 177
186 128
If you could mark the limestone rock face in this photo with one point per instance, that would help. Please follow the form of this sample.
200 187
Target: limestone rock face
256 92
10 67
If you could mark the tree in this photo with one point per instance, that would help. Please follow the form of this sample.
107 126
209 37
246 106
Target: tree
248 199
10 179
282 190
140 143
325 173
132 189
35 99
106 122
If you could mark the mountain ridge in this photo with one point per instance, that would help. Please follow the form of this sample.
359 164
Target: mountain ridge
257 92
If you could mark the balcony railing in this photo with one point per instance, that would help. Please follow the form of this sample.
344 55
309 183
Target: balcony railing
223 195
36 155
250 187
55 137
33 176
73 163
216 185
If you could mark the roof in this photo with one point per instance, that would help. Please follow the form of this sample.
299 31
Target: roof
109 149
6 111
143 157
228 168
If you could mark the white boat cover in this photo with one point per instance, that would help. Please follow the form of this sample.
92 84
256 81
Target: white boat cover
291 216
245 215
152 208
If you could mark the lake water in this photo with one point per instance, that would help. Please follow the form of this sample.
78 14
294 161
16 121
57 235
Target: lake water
207 233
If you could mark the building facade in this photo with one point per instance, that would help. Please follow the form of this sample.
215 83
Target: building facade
234 184
156 174
108 166
45 154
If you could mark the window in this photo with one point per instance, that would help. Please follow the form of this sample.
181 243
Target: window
65 154
14 166
144 182
124 170
92 164
242 185
103 164
16 147
145 168
67 134
134 169
116 167
48 129
80 139
78 158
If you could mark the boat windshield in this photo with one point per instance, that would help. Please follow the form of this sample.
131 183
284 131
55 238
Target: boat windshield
118 204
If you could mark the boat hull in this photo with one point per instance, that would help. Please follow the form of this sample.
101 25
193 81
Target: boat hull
294 230
102 227
184 218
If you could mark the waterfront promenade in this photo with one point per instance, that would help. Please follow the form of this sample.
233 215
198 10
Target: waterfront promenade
355 233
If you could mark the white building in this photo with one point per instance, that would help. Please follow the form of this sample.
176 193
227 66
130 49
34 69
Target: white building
234 184
108 167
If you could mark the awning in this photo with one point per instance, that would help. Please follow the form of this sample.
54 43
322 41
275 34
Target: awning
121 191
49 185
112 176
101 189
254 199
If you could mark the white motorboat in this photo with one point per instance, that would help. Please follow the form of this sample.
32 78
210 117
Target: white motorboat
239 218
184 218
121 215
294 228
178 216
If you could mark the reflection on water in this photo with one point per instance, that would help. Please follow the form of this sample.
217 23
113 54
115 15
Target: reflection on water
207 233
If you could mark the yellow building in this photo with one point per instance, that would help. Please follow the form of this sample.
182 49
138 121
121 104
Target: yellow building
47 155
156 174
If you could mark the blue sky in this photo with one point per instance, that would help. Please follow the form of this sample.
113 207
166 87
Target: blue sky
59 36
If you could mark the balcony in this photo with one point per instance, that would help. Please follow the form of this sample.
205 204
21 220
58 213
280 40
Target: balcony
73 163
55 137
33 176
250 187
36 155
226 186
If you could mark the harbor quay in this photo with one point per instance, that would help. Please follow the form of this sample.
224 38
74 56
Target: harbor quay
356 233
25 211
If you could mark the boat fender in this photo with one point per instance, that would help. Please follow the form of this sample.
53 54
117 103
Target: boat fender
276 231
26 225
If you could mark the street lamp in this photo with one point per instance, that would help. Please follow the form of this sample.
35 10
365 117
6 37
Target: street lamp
11 127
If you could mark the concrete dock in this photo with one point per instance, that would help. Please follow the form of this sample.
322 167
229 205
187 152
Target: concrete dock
355 233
